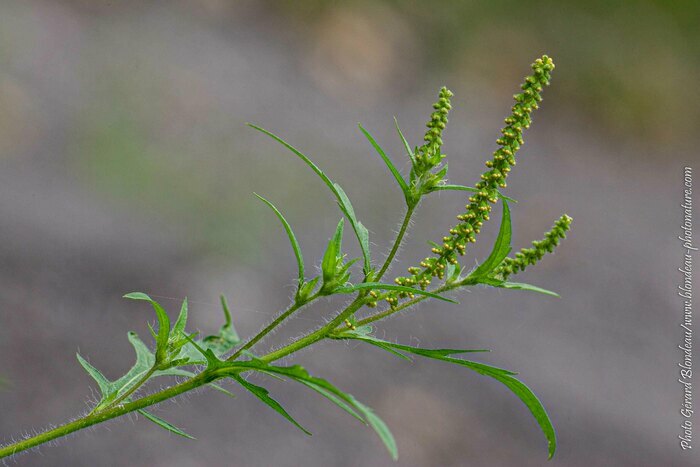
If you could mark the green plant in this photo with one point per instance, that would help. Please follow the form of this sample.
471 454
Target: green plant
205 361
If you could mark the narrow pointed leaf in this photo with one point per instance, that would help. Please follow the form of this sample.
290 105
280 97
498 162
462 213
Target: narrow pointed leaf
534 406
360 230
504 376
333 398
392 168
298 373
344 400
531 288
290 234
501 247
263 394
382 430
401 288
179 327
165 425
222 390
407 146
343 201
303 157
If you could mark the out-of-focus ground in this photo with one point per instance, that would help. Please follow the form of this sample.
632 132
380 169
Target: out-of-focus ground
125 165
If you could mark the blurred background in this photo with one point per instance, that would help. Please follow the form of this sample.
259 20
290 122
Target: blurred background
125 165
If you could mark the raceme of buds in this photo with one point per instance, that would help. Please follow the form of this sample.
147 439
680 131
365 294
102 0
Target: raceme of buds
479 207
530 256
428 157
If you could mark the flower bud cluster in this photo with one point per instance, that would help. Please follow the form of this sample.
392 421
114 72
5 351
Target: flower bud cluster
478 210
429 156
529 256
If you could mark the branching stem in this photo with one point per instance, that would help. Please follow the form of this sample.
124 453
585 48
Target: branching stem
255 339
397 242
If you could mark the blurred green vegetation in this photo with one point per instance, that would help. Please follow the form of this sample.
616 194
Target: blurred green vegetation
163 130
624 64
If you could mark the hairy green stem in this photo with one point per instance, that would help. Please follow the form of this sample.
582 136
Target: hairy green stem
255 339
397 242
107 414
134 388
316 335
207 376
390 311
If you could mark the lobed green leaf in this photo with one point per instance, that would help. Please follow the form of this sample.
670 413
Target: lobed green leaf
163 322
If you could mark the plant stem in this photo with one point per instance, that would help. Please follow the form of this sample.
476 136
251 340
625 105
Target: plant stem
255 339
133 389
201 379
397 242
403 306
107 414
206 376
317 335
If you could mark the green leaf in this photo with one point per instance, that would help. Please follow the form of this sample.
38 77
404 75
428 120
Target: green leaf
535 407
308 161
531 288
392 168
187 354
222 390
501 247
227 339
163 424
307 289
333 398
102 382
504 376
320 385
343 400
263 394
163 323
343 201
467 188
437 354
401 288
227 333
329 264
112 390
179 327
208 354
453 272
360 230
409 151
290 234
382 430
